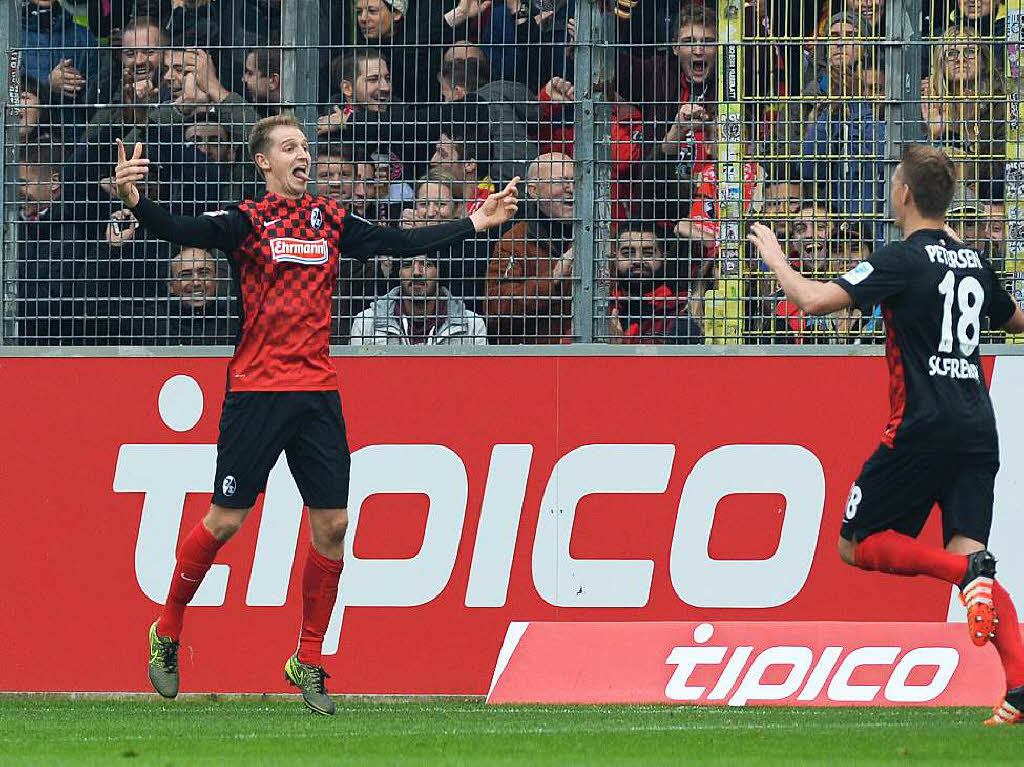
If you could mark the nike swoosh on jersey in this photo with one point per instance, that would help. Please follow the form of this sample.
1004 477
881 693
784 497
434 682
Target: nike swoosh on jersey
270 223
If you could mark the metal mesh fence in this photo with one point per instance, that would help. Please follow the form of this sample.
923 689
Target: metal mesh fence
648 135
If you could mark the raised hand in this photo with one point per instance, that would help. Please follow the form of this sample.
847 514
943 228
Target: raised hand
331 122
199 64
616 333
121 229
497 208
129 172
466 10
560 89
141 91
768 247
693 229
64 78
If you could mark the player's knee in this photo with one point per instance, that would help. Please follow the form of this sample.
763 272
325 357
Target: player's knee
848 551
223 523
330 527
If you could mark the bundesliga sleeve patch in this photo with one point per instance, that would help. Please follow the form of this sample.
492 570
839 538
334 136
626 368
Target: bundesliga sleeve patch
859 273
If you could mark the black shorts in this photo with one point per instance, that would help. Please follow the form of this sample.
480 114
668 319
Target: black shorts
897 489
255 426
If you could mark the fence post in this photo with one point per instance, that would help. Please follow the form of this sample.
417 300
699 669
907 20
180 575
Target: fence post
903 47
593 68
10 26
300 35
724 304
1014 150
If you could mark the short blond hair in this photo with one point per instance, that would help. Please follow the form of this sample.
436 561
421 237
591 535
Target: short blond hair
259 138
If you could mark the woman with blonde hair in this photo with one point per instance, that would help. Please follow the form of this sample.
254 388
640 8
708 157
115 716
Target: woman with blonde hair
438 199
963 102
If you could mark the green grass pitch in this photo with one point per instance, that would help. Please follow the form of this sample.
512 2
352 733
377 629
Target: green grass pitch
252 731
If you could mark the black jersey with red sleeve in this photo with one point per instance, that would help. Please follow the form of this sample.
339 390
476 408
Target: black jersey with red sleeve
936 294
285 255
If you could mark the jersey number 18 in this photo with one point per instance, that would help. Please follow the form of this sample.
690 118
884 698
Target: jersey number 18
970 297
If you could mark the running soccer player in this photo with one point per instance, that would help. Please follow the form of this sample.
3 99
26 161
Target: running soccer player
940 444
282 390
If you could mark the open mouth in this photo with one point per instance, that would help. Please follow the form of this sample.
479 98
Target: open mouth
699 67
301 172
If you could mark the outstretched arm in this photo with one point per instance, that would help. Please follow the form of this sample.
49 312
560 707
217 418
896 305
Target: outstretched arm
223 230
810 296
361 239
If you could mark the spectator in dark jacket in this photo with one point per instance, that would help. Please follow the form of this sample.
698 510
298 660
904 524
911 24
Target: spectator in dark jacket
845 48
845 149
62 54
192 308
262 76
462 151
527 41
411 35
214 26
35 122
506 107
371 123
646 304
55 279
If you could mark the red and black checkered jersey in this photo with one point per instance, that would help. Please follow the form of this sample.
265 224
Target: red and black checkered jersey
287 267
285 254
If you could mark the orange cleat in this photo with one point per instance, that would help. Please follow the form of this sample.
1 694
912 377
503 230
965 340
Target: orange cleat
976 594
1009 711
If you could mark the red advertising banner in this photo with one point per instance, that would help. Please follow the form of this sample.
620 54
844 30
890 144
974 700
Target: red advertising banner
485 490
743 663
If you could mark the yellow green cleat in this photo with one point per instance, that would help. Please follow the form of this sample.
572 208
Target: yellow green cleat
163 663
310 680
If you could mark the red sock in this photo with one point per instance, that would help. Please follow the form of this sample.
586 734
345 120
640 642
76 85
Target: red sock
195 555
1007 639
892 552
319 592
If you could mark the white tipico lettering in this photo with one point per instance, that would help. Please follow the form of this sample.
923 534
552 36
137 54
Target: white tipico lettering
944 659
143 469
564 581
816 681
296 251
686 659
789 470
432 470
840 689
275 546
497 530
731 673
752 688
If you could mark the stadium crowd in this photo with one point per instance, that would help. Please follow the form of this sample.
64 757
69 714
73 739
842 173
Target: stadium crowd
425 107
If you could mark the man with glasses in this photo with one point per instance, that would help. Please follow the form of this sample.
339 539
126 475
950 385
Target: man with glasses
530 277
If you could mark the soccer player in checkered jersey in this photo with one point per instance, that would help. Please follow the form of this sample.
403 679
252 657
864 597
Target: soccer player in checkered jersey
940 444
282 390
